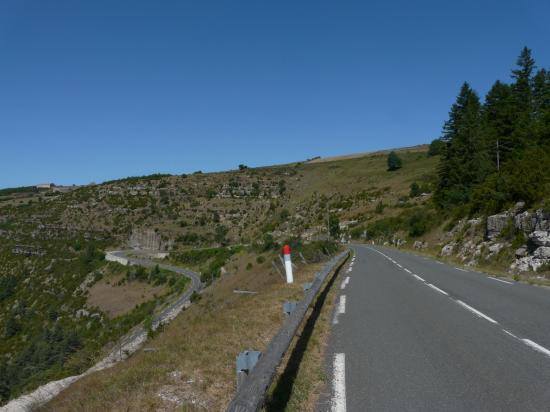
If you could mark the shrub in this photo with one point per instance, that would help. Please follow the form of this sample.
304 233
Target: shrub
394 161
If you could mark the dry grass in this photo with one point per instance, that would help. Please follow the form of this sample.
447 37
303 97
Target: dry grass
192 366
302 375
116 300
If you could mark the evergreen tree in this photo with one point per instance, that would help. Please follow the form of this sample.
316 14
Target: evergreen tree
541 105
394 161
499 118
522 96
465 161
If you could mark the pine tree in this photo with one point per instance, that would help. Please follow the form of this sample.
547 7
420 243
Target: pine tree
523 80
522 96
541 105
465 161
499 118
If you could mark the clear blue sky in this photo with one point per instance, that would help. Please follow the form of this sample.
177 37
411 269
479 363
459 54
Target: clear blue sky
95 90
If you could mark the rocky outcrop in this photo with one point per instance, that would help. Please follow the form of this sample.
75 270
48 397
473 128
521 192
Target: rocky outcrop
496 224
542 252
540 238
532 221
447 250
418 244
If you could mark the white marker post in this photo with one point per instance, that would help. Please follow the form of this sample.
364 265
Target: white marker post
288 264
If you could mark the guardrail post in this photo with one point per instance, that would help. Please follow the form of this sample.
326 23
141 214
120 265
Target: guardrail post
288 308
245 363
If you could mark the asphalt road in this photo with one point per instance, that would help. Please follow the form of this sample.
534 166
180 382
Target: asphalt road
410 334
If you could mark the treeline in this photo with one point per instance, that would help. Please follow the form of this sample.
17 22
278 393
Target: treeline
497 152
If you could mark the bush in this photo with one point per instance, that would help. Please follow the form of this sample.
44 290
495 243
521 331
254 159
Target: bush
414 190
394 161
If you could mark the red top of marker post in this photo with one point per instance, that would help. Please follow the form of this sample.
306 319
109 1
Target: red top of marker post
286 250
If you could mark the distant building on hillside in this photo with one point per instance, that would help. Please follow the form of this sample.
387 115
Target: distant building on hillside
45 186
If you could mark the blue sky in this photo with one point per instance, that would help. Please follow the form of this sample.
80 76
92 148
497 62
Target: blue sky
95 90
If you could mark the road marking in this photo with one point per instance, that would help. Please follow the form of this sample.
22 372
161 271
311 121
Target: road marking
438 262
419 278
342 305
510 333
399 265
536 346
500 280
339 383
462 270
436 288
407 270
476 312
344 283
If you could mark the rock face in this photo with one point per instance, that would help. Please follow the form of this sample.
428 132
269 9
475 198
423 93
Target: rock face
147 239
447 250
418 244
540 238
496 223
532 221
528 263
542 252
521 252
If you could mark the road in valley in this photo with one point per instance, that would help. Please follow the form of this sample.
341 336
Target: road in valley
411 333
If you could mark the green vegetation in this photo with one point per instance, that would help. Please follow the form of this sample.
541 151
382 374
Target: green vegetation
498 152
394 161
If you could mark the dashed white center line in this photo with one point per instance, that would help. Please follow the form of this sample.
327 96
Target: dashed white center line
438 262
500 280
437 289
476 312
407 270
419 278
462 270
339 383
536 346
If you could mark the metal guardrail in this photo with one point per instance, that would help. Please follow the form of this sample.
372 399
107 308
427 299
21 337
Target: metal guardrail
250 394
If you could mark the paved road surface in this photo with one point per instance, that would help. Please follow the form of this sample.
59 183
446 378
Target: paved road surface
413 334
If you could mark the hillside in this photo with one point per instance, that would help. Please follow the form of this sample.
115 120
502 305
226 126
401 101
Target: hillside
63 305
58 312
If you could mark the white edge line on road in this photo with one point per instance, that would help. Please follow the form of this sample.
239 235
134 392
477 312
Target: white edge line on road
462 270
476 312
347 280
536 346
438 262
419 278
407 270
436 288
342 305
500 280
343 284
339 383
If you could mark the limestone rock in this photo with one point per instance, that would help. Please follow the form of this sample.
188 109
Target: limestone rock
540 238
497 247
496 223
521 252
447 250
542 252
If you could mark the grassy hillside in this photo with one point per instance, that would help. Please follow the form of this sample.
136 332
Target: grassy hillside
57 311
